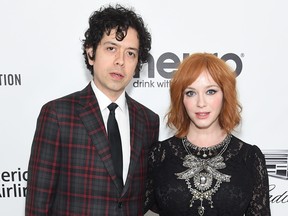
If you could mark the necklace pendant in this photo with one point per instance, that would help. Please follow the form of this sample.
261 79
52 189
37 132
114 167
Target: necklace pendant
201 210
202 170
203 180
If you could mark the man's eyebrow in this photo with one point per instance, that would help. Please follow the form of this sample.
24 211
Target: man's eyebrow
116 44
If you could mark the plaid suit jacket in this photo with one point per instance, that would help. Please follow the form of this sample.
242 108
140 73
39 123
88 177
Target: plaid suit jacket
70 169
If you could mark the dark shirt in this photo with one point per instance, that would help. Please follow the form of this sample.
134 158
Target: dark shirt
247 192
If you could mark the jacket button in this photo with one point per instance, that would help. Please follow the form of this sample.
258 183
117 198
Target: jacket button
120 204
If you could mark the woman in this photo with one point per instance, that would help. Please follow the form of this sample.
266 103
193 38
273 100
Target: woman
204 169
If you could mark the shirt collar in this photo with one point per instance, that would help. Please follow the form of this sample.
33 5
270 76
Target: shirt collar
104 101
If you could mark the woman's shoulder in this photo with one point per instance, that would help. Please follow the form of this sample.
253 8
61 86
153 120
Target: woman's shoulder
247 149
165 143
171 139
160 149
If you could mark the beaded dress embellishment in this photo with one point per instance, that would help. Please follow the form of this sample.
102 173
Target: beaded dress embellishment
202 171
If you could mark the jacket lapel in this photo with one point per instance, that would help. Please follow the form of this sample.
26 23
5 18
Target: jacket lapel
90 114
136 142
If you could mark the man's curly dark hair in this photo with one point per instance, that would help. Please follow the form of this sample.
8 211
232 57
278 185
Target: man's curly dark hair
120 18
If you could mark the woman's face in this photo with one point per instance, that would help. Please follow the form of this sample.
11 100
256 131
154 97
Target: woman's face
203 101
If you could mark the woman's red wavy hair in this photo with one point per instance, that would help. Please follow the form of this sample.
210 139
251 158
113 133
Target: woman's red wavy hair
187 72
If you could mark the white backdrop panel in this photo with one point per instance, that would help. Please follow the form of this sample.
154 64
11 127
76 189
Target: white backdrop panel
41 59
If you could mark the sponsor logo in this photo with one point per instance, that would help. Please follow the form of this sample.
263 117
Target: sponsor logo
10 80
13 183
167 63
277 163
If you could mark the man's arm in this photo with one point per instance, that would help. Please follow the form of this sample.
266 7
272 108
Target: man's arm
43 166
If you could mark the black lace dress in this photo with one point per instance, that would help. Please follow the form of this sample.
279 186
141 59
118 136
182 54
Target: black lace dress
239 188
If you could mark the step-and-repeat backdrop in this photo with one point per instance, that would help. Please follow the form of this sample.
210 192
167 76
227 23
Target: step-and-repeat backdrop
41 59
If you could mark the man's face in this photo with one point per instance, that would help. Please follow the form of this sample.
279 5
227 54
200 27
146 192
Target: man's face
115 62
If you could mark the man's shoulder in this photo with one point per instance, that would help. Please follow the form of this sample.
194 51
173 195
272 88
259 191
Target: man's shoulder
71 98
132 103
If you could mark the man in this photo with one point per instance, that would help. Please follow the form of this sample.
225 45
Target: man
72 170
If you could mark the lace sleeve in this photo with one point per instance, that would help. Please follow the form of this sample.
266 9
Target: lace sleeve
156 156
259 204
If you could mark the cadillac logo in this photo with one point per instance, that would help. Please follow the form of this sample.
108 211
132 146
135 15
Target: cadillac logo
277 163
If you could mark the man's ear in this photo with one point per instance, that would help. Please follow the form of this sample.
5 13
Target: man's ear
89 53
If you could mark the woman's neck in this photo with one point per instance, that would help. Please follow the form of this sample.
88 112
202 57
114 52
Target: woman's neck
206 138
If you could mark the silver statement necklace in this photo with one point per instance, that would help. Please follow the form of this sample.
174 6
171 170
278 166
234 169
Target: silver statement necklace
203 170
